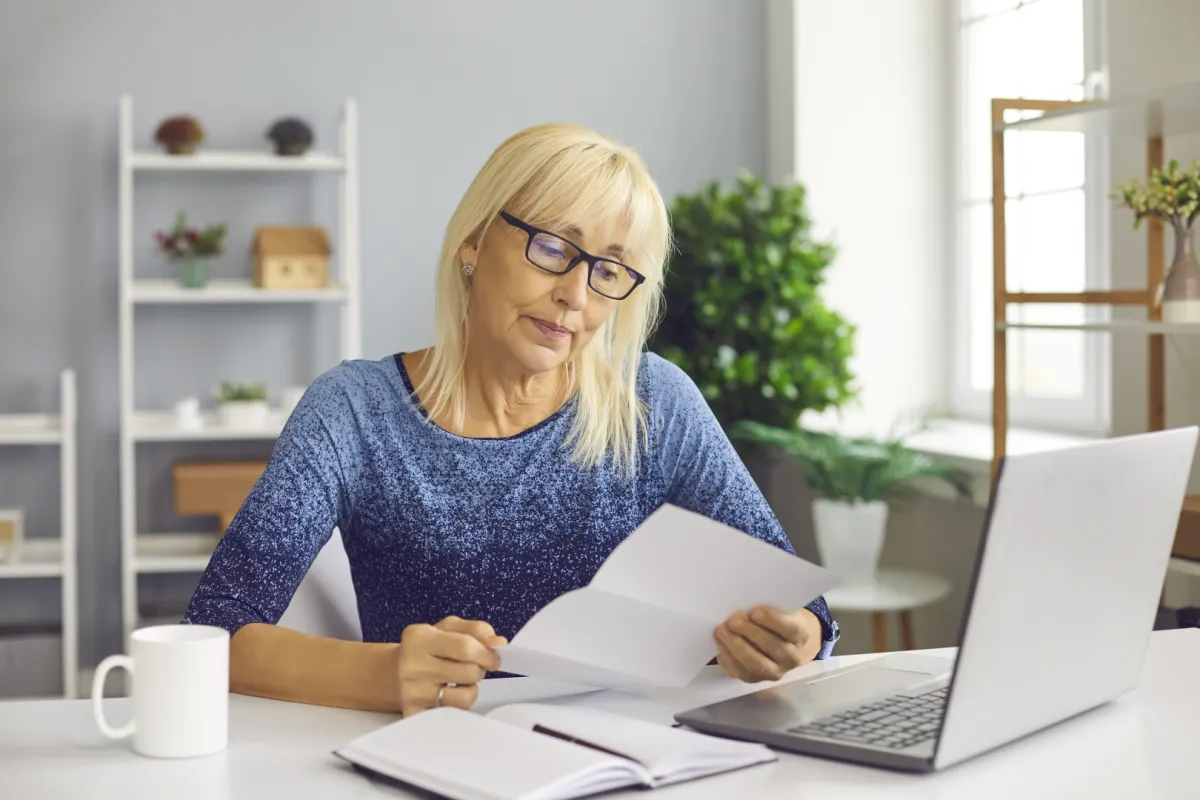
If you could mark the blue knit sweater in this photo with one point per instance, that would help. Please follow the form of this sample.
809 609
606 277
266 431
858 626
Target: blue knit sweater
436 524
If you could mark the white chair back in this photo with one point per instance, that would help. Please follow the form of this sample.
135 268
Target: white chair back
325 603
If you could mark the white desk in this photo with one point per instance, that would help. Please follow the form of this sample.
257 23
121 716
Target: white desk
1141 746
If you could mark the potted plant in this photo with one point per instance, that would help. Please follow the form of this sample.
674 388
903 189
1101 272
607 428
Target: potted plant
856 478
191 249
291 136
744 316
242 405
180 134
1172 195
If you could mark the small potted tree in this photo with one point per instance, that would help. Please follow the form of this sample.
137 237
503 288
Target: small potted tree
856 478
744 315
242 405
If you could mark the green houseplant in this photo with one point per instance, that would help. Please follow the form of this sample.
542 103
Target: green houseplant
856 478
242 405
743 316
1172 195
191 248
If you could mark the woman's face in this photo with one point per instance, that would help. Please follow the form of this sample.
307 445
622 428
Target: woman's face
538 319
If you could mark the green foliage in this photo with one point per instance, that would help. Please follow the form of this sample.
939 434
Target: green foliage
1170 193
852 469
743 315
183 242
241 392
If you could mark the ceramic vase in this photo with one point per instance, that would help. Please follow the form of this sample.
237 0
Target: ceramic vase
244 413
850 537
1181 288
193 272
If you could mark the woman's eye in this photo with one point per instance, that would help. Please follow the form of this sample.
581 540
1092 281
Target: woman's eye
548 248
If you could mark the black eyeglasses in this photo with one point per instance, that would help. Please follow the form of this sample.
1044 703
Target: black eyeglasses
552 253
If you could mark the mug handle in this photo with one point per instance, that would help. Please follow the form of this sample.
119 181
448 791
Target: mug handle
107 665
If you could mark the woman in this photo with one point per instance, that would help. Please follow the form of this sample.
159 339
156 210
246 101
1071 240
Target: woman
475 481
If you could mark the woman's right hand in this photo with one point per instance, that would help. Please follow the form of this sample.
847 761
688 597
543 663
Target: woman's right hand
455 653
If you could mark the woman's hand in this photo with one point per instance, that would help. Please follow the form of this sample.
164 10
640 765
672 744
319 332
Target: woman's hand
766 643
455 654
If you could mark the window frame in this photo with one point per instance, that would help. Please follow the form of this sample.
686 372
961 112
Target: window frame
1090 413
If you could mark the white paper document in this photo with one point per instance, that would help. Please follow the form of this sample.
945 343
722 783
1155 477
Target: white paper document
647 618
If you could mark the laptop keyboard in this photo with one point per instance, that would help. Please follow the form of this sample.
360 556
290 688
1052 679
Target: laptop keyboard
896 722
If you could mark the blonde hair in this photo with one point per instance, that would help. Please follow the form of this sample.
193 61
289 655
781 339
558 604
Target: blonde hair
556 176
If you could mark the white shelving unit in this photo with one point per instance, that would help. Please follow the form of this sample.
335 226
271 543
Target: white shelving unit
144 552
53 557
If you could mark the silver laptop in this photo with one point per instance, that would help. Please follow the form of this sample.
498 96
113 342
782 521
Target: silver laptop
1059 612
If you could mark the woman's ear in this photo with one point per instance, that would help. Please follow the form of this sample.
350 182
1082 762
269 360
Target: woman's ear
468 253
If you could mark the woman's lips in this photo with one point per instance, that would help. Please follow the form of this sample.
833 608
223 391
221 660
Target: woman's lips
550 330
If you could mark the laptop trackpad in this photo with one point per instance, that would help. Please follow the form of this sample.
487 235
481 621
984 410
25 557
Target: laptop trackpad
803 701
858 686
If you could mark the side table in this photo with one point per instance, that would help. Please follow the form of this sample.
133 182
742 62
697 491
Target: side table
897 590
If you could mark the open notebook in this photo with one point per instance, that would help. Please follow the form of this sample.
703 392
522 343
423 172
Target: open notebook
530 751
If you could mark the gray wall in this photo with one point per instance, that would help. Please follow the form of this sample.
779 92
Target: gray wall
438 85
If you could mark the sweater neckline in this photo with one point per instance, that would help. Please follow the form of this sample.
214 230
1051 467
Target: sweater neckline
411 393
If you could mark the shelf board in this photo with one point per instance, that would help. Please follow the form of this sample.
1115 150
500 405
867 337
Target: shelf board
161 426
237 161
229 291
30 429
1113 326
40 558
173 552
1170 111
1185 566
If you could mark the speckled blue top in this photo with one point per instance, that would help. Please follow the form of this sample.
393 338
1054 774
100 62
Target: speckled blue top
436 524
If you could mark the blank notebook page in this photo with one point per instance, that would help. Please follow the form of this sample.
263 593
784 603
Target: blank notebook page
469 757
670 754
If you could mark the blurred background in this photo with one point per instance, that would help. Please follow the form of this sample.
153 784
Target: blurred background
830 168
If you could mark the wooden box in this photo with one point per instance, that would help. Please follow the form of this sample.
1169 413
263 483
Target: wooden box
12 523
291 258
214 488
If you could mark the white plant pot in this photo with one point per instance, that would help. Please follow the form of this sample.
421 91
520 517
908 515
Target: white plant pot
244 413
850 537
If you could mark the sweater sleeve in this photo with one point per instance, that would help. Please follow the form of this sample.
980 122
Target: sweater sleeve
286 519
703 473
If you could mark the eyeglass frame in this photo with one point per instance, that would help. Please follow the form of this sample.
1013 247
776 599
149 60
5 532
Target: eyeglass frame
532 231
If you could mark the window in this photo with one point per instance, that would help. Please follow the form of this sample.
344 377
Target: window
1055 212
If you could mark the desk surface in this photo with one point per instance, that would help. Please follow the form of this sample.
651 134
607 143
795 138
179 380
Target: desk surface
1142 745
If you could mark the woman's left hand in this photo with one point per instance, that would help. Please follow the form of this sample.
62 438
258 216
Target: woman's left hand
766 643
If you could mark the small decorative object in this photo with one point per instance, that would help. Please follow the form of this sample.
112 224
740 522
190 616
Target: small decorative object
292 136
12 532
243 405
1172 195
214 488
191 249
179 134
187 414
289 398
856 478
291 258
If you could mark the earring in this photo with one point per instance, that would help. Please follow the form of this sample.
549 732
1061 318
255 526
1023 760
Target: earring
468 269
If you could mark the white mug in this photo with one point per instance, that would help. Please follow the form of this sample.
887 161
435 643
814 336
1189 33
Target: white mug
180 691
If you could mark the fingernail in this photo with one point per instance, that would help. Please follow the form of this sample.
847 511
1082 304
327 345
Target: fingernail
758 615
